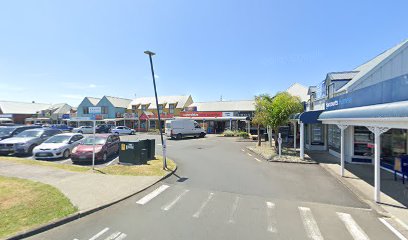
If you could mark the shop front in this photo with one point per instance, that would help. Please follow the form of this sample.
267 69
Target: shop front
150 121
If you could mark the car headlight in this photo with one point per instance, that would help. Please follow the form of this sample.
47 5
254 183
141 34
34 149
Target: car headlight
74 150
20 144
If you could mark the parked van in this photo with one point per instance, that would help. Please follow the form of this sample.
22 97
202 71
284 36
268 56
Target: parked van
179 128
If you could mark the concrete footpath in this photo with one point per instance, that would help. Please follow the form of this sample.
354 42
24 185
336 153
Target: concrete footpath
85 190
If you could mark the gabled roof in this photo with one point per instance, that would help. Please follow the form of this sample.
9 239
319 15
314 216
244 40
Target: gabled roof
180 100
373 63
299 90
11 107
59 108
347 75
225 106
119 102
93 100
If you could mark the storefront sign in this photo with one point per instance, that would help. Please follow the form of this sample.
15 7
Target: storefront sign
190 109
6 115
245 114
130 115
227 114
200 114
94 110
65 116
78 119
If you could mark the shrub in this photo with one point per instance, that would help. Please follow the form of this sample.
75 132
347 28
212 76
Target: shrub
229 133
243 134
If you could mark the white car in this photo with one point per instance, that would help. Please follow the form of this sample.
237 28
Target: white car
58 146
179 128
83 129
123 130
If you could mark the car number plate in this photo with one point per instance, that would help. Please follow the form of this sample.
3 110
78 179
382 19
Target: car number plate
42 154
82 157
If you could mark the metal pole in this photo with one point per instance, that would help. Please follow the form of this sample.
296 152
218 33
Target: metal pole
302 144
158 113
93 152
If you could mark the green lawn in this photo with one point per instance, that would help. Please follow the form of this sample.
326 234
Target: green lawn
68 167
26 204
152 168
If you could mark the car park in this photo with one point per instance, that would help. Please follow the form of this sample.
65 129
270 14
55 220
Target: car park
57 146
13 130
105 145
24 142
104 128
62 127
83 129
123 130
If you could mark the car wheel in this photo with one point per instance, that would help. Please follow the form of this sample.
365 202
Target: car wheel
80 132
202 135
30 150
105 157
132 133
179 136
66 153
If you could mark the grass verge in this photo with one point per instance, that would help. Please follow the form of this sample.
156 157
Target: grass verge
152 168
26 204
68 167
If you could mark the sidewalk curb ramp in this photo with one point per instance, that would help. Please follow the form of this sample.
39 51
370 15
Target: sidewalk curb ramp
78 215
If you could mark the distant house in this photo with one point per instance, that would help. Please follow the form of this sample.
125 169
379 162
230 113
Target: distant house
83 107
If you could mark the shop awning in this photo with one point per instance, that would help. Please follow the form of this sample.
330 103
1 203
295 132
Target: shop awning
379 111
217 118
310 117
295 116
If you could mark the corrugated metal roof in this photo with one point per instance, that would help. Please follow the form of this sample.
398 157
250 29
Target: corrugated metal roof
225 106
10 107
180 100
119 102
347 75
298 90
93 100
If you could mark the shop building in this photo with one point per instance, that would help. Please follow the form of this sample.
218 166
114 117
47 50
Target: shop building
145 107
217 116
361 116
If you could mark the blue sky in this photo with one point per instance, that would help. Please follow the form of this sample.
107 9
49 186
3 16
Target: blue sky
61 51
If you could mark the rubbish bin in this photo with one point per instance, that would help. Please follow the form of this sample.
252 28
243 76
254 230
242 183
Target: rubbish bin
150 146
143 155
130 152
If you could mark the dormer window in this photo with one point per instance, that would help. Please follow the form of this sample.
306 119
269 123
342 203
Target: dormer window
171 108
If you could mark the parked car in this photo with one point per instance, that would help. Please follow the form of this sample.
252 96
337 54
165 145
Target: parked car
104 128
123 130
24 142
11 131
105 146
179 128
83 129
62 127
57 146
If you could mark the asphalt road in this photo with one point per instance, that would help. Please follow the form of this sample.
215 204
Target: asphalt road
220 191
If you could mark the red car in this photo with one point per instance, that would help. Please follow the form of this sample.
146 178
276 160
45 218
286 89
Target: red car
105 146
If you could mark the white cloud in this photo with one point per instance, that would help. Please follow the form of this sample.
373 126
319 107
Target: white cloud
72 96
92 85
78 85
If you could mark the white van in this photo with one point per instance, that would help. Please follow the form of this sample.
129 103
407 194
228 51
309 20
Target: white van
179 128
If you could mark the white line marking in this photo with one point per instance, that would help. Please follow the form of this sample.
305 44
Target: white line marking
354 229
249 154
310 224
270 218
197 214
99 234
121 236
67 160
402 223
233 210
113 236
152 195
170 205
395 231
243 150
258 160
109 163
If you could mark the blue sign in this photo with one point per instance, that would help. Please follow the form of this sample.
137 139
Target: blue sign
392 90
65 116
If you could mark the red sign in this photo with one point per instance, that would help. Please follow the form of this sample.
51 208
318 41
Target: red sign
200 114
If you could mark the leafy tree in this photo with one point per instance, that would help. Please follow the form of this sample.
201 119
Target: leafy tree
262 104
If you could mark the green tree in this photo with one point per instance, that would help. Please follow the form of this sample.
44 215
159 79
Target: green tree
263 103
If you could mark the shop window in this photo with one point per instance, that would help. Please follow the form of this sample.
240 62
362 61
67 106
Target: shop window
363 142
152 124
171 108
160 109
104 110
334 137
393 144
85 110
134 108
317 134
144 108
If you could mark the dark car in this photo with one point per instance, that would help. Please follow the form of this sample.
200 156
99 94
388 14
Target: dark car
105 145
11 131
62 127
104 128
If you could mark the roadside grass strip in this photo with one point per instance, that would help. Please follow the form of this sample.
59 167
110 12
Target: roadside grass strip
310 224
68 167
354 229
26 204
392 229
152 195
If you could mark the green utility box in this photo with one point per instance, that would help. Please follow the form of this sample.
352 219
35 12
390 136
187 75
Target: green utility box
150 146
130 152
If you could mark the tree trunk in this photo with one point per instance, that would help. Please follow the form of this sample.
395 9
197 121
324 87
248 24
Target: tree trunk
259 135
275 138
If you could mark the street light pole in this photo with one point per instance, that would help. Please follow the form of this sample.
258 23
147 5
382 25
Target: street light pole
157 107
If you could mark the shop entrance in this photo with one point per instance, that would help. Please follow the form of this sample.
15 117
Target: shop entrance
219 126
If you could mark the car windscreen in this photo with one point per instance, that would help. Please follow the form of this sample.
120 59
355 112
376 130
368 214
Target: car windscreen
29 133
5 131
58 139
90 141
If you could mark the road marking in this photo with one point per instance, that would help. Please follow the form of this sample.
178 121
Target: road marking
310 224
243 150
109 163
258 160
270 206
170 205
99 234
113 236
197 214
152 195
395 231
249 154
67 160
354 229
233 210
402 223
121 236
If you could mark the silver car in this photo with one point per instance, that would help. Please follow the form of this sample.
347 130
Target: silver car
24 142
58 146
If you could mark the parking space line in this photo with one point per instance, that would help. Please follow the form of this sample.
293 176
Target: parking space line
233 210
249 154
170 205
395 231
197 214
121 236
113 236
243 150
270 218
402 223
310 224
109 163
152 195
99 234
258 160
354 229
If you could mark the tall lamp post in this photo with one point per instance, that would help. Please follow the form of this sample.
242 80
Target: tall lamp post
157 106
